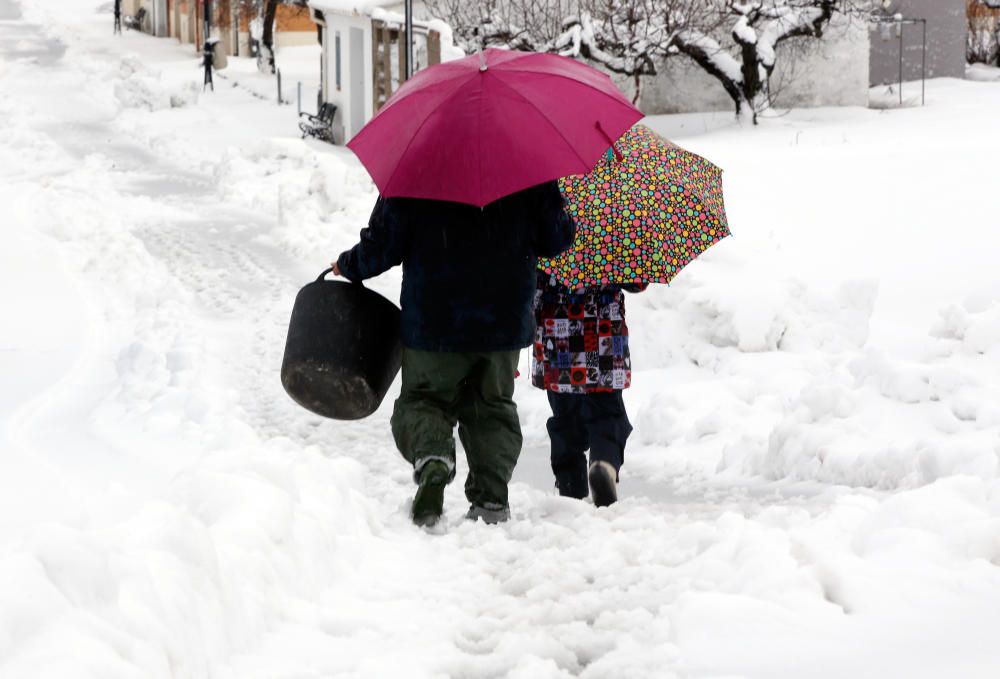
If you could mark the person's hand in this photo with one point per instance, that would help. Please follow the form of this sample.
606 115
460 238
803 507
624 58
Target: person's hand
336 269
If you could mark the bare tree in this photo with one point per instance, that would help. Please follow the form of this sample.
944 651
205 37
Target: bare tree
632 37
758 28
735 41
626 37
527 25
265 58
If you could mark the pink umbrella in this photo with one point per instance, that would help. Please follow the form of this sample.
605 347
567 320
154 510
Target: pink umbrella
489 125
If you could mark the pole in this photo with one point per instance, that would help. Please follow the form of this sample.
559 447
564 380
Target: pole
278 73
409 39
900 63
923 68
299 97
208 19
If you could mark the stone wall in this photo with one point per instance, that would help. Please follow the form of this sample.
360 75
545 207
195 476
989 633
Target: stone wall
947 33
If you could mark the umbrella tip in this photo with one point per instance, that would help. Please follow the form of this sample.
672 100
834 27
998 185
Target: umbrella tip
611 142
482 60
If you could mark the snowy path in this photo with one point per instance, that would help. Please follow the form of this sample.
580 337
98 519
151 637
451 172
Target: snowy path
166 511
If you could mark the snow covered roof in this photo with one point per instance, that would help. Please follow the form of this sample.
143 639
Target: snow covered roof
352 7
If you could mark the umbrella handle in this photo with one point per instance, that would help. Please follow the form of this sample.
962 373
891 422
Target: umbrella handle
611 143
322 277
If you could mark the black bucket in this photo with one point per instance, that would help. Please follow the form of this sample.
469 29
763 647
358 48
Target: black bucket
343 349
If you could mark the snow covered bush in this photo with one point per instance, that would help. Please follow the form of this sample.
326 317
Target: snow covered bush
983 44
139 87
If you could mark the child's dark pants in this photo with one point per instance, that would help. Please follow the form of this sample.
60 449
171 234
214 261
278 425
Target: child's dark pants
596 421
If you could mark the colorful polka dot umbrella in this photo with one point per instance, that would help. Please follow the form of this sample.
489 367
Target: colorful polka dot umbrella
642 214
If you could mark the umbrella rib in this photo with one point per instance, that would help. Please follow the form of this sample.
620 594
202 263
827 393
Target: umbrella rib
479 131
547 119
423 89
447 99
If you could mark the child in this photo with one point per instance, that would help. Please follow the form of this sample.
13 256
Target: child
581 359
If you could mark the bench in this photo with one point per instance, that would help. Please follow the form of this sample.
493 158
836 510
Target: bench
135 22
320 125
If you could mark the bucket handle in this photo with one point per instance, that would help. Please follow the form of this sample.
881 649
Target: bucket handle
326 271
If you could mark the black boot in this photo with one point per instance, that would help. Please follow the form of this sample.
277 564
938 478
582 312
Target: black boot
573 484
428 503
491 513
603 484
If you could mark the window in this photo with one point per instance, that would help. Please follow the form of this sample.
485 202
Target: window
336 56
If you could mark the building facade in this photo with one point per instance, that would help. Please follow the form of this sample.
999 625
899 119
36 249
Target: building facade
230 21
362 62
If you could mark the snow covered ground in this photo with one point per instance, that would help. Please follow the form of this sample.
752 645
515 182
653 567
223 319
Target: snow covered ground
813 489
299 66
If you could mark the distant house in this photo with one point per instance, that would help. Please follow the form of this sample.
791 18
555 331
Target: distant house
363 60
155 21
947 36
230 21
293 25
181 19
184 20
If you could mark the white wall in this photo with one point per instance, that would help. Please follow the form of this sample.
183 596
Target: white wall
344 97
831 72
294 38
419 9
344 128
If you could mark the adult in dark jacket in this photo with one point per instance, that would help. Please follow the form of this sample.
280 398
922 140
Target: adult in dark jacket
467 295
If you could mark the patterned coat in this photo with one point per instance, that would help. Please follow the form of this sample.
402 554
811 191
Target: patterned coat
581 339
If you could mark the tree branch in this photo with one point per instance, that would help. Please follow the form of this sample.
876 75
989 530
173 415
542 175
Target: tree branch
717 62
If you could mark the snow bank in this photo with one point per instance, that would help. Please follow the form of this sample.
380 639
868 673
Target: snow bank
982 73
183 528
814 465
774 379
147 529
139 87
321 201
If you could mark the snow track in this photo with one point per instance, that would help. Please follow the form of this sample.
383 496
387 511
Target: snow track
166 511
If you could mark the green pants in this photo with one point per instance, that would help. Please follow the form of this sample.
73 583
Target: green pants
473 390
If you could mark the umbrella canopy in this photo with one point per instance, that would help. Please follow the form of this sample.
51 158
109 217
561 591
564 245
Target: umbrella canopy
480 128
642 215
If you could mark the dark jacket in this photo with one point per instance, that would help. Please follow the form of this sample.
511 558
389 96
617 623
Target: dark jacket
468 272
